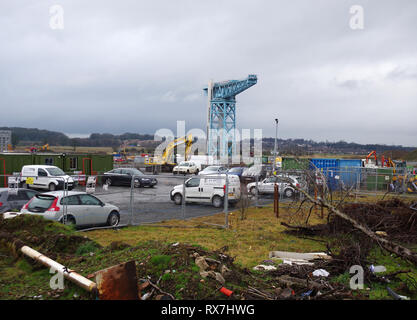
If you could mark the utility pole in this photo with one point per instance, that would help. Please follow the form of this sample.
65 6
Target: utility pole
275 147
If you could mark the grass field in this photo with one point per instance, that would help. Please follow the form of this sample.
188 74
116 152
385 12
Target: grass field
249 240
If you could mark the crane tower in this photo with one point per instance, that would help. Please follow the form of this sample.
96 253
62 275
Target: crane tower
222 114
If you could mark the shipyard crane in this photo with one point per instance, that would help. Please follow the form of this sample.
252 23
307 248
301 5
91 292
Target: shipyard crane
221 115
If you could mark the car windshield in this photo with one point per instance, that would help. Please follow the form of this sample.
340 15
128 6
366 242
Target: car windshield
211 169
136 172
184 164
40 203
286 179
55 172
235 170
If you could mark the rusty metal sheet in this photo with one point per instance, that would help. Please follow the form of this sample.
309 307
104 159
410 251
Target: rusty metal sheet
118 282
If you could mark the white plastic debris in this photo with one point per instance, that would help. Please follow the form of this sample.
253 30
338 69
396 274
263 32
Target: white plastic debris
320 273
297 262
377 269
263 267
146 296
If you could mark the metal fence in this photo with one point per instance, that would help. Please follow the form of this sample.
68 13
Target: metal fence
140 201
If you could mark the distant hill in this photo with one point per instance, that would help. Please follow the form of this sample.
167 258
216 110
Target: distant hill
28 136
32 136
299 147
411 155
296 147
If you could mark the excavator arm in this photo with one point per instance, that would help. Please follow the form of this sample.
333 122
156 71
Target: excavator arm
373 153
167 155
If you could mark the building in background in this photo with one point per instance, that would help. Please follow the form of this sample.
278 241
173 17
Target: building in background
5 140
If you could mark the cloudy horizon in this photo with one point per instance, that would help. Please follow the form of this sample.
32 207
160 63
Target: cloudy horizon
136 66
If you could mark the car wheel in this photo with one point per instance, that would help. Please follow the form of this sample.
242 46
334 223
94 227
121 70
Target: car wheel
69 221
108 182
52 187
253 191
174 172
196 172
137 185
288 193
178 199
217 201
113 219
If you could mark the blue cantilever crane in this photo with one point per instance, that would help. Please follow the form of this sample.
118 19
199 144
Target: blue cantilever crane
221 122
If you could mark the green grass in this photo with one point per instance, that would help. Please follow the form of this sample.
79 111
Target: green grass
161 262
86 248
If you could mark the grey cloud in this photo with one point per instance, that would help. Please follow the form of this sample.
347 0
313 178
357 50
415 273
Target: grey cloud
141 65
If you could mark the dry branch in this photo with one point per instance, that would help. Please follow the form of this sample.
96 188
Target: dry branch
389 246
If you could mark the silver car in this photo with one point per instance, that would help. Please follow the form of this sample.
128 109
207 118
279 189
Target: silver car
81 208
267 186
10 201
213 170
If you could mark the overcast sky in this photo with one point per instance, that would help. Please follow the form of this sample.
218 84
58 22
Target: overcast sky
138 66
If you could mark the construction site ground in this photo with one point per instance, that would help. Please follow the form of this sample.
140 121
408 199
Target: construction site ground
165 253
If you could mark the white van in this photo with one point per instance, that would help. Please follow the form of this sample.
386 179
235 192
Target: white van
45 177
208 189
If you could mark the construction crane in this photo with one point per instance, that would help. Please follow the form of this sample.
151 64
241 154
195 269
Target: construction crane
372 153
221 114
167 161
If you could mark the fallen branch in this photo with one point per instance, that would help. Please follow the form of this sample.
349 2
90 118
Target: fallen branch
160 290
259 293
304 230
389 246
292 282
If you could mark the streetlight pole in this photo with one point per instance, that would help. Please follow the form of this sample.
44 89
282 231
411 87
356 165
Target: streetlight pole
275 146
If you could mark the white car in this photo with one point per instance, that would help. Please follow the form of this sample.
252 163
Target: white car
213 170
186 167
45 177
267 186
81 208
207 189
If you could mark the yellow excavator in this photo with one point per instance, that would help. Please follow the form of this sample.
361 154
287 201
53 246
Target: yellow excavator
45 147
167 161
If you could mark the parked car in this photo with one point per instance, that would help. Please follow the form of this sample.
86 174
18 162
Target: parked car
213 170
236 171
207 189
9 202
81 208
123 177
267 185
249 174
45 177
186 167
